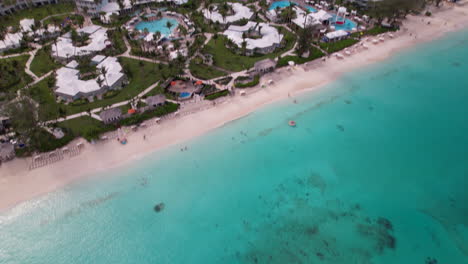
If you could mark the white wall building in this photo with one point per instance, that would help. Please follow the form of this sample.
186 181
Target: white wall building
240 12
70 87
112 6
13 6
268 41
65 48
13 40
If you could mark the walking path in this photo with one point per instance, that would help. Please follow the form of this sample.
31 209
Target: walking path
99 109
28 64
129 49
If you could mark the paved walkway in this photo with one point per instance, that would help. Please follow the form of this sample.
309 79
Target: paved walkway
129 49
28 64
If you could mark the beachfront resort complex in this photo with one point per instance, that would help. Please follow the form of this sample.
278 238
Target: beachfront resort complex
99 70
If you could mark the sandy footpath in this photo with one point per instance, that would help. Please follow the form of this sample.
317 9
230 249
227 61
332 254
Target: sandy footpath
18 184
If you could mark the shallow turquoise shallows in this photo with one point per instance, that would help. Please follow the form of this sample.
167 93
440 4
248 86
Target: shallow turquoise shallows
158 25
376 171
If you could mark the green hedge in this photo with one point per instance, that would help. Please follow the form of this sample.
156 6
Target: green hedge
314 54
167 108
216 95
339 45
252 83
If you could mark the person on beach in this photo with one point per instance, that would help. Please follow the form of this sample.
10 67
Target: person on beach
144 137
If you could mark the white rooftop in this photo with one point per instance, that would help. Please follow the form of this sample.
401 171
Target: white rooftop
68 82
98 38
336 34
270 35
98 59
302 18
240 12
72 64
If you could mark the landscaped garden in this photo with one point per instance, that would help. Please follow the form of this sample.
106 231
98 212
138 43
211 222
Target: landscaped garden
314 53
227 59
338 45
141 75
204 72
43 62
12 74
37 13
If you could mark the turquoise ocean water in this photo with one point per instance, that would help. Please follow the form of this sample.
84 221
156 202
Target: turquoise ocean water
375 172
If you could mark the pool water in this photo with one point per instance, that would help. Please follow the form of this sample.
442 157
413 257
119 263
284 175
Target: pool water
158 25
281 4
347 26
184 95
311 9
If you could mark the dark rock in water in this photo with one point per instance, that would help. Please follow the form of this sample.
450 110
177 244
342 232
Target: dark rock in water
430 260
320 255
347 101
384 222
340 127
159 207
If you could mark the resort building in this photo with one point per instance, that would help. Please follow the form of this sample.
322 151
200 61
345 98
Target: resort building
13 40
10 7
239 12
303 19
259 37
70 87
66 49
335 36
94 8
264 66
155 101
110 116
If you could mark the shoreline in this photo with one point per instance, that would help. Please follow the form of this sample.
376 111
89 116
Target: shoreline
18 184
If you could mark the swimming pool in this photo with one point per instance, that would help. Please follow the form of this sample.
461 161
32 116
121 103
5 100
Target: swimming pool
347 26
184 95
280 4
158 25
311 9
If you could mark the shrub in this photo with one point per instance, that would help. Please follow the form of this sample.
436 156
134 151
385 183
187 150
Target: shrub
165 109
216 95
252 83
428 13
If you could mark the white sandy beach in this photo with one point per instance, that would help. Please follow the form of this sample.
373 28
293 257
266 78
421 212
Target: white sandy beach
18 183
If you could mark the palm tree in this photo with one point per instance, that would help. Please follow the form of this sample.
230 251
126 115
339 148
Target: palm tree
156 36
104 73
307 11
244 47
99 82
169 25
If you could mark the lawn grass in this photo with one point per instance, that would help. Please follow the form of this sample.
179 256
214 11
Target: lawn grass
314 54
43 62
73 17
339 45
42 93
217 95
37 13
86 127
226 59
19 64
205 72
140 78
141 75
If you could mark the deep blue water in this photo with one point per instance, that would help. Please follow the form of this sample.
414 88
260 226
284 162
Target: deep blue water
376 171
